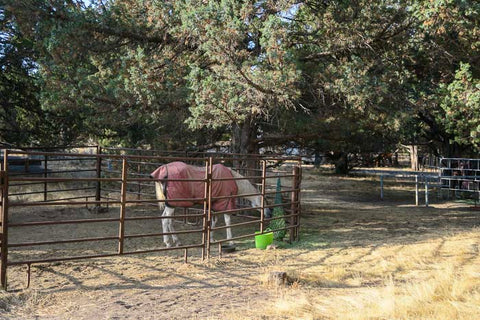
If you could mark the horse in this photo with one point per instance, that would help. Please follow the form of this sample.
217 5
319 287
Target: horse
172 194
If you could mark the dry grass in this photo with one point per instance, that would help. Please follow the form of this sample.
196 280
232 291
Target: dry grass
438 279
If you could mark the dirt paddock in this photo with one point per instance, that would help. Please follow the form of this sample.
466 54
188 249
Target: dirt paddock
357 258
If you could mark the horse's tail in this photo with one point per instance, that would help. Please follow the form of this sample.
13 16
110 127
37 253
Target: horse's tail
160 194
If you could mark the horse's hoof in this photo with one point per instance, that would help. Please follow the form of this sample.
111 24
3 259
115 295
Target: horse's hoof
178 244
168 244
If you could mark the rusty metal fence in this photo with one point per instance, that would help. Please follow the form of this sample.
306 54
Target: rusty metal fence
41 220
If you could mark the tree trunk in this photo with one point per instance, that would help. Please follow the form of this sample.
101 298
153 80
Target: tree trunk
341 164
244 137
318 159
413 150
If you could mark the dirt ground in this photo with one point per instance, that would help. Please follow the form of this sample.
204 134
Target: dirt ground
351 245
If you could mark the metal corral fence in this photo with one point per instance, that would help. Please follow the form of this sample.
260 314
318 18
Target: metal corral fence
460 175
449 178
93 202
424 183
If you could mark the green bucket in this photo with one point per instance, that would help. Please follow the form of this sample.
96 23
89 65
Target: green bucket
263 240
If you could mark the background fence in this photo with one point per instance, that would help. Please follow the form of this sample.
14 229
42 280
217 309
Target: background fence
440 178
92 202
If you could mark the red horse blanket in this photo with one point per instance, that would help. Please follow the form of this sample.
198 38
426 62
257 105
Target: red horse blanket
196 189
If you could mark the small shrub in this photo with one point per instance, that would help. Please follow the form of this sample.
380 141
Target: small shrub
278 212
278 224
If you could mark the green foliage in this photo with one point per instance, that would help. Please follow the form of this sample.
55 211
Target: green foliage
278 224
339 77
354 83
446 36
461 104
22 121
245 70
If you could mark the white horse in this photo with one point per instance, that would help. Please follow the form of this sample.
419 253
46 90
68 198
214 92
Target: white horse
171 190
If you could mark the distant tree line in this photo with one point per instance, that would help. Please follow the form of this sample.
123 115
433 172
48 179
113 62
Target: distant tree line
336 77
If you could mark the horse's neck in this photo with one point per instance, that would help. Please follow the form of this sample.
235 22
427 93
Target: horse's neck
245 187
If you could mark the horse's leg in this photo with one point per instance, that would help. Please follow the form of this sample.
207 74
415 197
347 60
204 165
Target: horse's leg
167 225
229 230
214 222
175 239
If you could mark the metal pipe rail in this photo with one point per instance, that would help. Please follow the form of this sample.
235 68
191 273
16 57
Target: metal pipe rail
250 235
252 222
75 221
163 217
51 191
83 257
60 202
228 156
43 243
162 233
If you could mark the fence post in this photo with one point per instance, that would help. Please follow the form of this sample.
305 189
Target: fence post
139 183
299 199
477 199
4 222
294 206
209 204
205 214
416 189
123 199
262 200
381 187
45 175
98 191
426 192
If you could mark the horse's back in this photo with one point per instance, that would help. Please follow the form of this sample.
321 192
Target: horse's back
195 188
